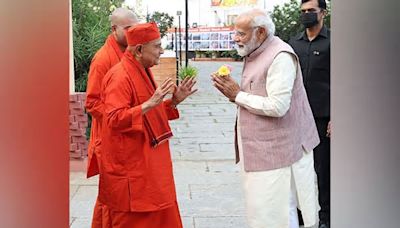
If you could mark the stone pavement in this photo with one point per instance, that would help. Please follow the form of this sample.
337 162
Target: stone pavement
206 177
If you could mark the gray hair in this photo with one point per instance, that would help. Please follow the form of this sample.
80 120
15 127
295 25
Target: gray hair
264 20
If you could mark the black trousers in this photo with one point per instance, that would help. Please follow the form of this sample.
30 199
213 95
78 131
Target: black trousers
322 165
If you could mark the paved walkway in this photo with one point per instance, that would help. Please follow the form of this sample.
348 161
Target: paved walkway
207 180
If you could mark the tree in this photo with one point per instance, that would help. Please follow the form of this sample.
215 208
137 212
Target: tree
91 27
139 10
163 20
287 19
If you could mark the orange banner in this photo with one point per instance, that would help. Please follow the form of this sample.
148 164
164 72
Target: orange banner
233 3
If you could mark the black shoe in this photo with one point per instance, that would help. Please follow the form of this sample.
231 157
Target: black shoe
324 225
300 217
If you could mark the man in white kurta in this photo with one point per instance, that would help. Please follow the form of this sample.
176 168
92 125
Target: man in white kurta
282 185
272 196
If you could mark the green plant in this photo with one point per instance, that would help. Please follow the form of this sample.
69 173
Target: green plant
233 54
91 27
202 54
225 54
208 54
197 53
163 20
215 54
188 71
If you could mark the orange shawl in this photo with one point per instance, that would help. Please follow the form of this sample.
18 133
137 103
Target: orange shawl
155 120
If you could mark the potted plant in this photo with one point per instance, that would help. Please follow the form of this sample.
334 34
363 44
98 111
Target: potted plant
188 71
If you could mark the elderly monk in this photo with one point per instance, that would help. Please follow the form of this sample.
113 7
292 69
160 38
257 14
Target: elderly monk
136 178
276 132
106 57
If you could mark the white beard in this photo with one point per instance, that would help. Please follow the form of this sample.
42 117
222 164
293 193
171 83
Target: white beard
247 48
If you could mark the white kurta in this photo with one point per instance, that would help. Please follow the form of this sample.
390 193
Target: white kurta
269 194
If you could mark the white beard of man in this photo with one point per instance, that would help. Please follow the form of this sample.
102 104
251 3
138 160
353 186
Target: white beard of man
249 47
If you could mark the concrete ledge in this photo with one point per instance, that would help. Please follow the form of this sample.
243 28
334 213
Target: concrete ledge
217 59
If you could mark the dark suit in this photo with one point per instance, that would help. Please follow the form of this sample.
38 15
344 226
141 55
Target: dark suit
314 59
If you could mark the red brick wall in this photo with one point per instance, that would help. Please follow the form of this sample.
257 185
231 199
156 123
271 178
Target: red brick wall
78 122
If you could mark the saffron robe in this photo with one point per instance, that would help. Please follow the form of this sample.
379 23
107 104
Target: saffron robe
105 58
136 177
166 218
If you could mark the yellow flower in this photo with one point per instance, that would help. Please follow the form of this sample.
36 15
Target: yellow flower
224 71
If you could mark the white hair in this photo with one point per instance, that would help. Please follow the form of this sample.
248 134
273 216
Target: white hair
264 20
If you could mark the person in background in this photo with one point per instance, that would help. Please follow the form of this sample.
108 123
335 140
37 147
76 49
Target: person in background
312 46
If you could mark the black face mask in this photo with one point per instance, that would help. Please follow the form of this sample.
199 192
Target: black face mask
309 19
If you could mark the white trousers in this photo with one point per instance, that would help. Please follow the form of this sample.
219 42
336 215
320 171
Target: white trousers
272 196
